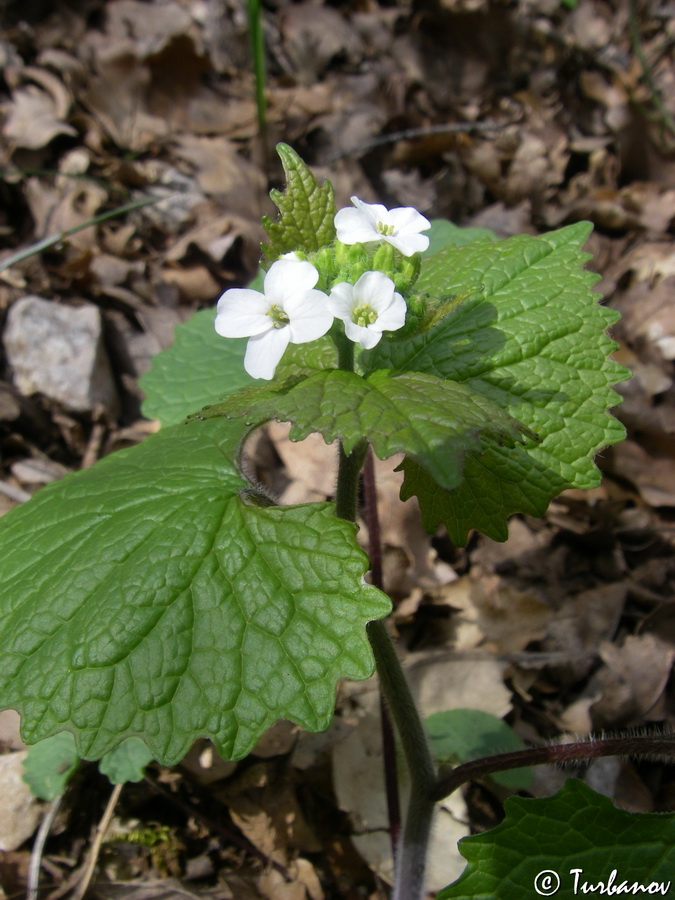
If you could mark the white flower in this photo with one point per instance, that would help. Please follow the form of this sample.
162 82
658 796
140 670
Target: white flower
288 311
400 227
368 308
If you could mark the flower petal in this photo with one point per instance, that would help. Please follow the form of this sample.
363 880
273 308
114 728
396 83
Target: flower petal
364 335
264 351
407 244
309 315
341 300
374 288
353 227
393 317
241 313
407 220
373 212
288 277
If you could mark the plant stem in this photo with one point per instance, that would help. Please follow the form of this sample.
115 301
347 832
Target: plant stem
347 491
388 738
257 39
411 862
659 746
411 858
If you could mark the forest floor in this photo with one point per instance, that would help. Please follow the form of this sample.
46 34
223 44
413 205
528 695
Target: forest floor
518 116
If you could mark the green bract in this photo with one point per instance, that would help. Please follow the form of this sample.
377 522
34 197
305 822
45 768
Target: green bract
151 596
306 209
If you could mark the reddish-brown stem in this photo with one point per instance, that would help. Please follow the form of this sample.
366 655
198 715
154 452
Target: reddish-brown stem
660 746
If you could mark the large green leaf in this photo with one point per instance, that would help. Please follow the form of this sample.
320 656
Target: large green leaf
307 210
545 847
531 339
198 368
443 233
434 421
153 595
201 367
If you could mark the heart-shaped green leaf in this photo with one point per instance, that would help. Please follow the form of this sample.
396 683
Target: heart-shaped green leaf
531 339
434 421
554 846
179 606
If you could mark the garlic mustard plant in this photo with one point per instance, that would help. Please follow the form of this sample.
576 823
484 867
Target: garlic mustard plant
288 311
161 596
368 308
400 227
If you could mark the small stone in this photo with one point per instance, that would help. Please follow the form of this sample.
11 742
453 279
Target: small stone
21 812
58 351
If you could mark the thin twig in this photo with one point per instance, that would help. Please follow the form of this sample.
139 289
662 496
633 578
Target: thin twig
33 883
95 848
411 134
59 236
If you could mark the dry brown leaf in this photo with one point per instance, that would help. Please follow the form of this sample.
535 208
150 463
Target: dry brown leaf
37 112
310 465
358 779
632 680
304 886
650 468
509 618
581 624
195 284
222 172
312 35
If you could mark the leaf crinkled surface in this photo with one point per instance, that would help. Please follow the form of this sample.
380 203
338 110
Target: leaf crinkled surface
532 340
434 421
540 843
178 606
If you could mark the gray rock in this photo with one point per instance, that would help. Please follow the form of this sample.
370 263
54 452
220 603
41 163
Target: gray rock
58 351
21 812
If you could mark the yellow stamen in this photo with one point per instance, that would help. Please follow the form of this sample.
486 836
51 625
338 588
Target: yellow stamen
278 316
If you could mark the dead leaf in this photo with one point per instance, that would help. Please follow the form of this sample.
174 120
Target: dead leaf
632 680
37 112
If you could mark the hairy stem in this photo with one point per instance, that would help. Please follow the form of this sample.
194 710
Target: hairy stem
411 861
660 746
347 491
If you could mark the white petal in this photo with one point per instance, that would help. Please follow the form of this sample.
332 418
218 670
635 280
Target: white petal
406 220
241 313
353 227
288 277
407 244
366 336
310 317
341 301
375 289
264 351
373 212
393 317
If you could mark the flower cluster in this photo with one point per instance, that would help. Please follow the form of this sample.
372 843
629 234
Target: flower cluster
291 311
